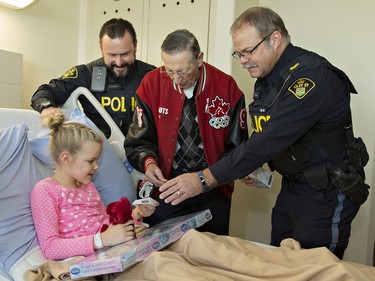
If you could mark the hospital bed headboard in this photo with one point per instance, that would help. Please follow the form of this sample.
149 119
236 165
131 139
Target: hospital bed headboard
12 116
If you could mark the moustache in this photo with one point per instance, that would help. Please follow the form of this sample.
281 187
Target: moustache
113 65
249 65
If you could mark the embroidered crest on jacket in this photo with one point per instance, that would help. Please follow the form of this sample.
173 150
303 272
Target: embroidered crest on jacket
219 113
71 73
301 87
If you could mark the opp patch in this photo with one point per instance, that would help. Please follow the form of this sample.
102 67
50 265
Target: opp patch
71 73
301 87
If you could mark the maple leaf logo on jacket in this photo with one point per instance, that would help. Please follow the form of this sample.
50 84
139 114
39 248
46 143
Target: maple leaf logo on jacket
219 113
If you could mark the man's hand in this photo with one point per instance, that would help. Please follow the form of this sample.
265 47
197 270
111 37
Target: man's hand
181 188
248 181
49 112
155 175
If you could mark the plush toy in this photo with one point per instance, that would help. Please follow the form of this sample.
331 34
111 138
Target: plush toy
119 212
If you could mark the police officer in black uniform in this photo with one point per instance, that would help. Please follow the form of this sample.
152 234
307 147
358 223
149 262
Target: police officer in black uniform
113 79
302 127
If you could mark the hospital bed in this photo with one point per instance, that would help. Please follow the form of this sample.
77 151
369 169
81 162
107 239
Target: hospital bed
196 256
23 135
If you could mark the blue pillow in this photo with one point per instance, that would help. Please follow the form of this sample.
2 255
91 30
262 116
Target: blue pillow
112 179
19 174
40 147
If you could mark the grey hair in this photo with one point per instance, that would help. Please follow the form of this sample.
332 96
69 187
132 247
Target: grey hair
263 19
179 41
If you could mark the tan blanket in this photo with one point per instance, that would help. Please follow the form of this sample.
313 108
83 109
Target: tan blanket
205 256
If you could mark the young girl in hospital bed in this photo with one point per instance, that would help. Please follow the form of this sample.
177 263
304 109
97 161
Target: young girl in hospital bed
69 216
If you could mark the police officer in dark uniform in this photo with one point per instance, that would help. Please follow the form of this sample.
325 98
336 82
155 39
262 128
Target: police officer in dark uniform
302 128
113 79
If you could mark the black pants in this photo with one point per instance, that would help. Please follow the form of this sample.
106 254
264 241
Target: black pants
313 218
214 200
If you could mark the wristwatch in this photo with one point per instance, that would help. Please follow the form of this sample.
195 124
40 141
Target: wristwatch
44 104
205 186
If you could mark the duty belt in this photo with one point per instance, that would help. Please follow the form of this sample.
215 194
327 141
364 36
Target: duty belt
301 177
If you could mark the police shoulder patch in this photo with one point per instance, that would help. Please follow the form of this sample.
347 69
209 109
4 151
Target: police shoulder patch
71 73
301 87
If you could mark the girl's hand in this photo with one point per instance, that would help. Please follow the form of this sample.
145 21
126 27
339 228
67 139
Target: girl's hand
119 233
143 210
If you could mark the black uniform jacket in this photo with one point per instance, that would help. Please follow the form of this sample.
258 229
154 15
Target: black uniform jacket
285 113
118 98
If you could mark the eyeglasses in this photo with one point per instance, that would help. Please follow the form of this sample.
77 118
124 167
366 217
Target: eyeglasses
184 73
249 53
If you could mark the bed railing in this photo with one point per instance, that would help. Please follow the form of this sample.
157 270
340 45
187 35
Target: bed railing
116 139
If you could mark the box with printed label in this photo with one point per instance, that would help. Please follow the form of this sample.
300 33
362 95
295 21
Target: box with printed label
262 177
122 256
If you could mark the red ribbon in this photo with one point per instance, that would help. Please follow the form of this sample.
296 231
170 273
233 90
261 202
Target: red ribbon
119 212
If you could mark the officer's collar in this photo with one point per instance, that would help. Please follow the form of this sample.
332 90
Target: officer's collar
281 63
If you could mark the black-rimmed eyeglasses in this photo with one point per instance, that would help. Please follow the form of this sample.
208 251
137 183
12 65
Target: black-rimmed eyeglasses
249 53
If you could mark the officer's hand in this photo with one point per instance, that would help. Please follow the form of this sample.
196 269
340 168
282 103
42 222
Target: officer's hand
155 175
181 188
49 112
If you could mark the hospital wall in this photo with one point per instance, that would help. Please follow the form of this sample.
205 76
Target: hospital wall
52 36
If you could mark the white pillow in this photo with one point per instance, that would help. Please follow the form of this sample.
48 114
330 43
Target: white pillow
112 179
18 174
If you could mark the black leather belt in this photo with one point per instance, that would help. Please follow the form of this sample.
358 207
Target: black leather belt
301 178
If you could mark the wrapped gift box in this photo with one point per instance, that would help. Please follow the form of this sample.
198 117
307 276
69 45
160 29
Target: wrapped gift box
120 257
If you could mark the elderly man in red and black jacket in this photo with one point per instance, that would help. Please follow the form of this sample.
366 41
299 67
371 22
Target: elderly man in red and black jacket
189 114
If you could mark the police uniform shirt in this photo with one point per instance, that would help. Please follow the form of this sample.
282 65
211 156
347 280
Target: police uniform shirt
310 96
118 98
